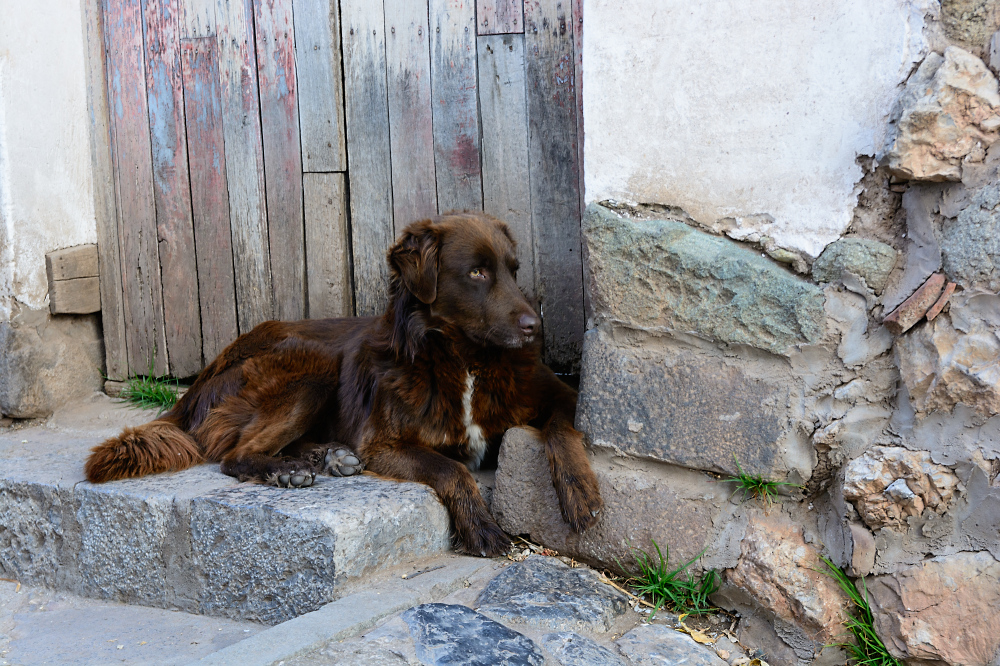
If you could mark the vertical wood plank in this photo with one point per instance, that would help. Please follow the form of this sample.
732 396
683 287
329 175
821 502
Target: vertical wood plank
328 252
279 116
456 114
112 306
244 161
171 187
506 181
408 78
555 195
320 89
367 119
578 81
499 17
144 331
197 18
209 194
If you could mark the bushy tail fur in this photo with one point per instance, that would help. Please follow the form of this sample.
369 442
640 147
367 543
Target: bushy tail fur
158 446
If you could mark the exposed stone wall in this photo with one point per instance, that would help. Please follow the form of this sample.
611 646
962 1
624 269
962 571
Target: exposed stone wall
859 360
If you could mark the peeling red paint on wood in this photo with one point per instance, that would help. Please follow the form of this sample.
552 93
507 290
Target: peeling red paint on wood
279 117
499 17
209 194
171 187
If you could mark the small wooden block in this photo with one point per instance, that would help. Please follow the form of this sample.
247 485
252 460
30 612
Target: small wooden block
77 296
72 262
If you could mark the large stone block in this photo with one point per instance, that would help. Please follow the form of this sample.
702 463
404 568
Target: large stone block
661 401
663 275
269 555
677 508
970 244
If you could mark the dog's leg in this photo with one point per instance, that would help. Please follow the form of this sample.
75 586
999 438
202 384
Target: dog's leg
475 531
253 457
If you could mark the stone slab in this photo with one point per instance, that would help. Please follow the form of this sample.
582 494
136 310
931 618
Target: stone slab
453 634
544 593
571 649
664 275
656 645
667 403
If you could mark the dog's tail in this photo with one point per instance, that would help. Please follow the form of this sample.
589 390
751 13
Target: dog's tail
158 446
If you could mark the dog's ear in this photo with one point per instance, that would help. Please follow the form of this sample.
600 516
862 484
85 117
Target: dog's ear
415 257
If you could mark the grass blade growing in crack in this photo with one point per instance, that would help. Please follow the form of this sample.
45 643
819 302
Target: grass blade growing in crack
150 391
755 486
868 649
668 588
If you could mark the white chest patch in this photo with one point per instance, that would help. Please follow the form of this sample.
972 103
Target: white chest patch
475 435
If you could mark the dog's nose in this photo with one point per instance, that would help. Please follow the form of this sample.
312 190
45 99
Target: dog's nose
528 324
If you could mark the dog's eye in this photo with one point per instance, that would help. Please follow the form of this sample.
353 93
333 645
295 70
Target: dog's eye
477 273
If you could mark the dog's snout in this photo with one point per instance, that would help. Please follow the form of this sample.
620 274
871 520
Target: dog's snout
528 323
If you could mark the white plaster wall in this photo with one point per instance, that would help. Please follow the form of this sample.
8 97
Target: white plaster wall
46 194
752 110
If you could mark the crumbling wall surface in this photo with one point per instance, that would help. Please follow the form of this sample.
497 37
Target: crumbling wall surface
46 203
849 345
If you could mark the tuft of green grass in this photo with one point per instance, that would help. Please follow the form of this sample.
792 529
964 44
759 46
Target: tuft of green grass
868 649
668 588
756 486
150 391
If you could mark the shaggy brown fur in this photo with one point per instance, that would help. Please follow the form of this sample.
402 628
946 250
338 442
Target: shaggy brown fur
422 393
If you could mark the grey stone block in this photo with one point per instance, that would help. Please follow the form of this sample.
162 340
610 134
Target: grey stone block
664 275
452 634
667 403
269 554
970 245
655 645
571 649
543 593
868 259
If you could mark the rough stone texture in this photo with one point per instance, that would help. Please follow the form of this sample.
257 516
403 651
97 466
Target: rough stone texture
955 359
663 275
947 113
942 301
779 576
921 251
868 259
664 402
970 22
674 506
915 307
453 634
890 484
46 361
943 611
572 649
544 593
970 244
657 645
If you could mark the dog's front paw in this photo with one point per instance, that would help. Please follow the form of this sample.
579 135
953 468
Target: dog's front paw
341 461
485 539
580 500
291 474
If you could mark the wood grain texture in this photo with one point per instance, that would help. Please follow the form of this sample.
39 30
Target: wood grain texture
76 296
327 246
143 306
367 120
244 161
197 18
506 176
209 194
578 81
320 85
171 186
555 182
279 116
456 112
72 262
408 77
499 17
105 211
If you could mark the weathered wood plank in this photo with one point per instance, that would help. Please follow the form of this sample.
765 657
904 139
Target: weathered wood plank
499 17
112 306
171 186
506 181
578 81
76 296
244 160
408 74
328 250
73 262
367 116
456 113
209 194
279 117
197 18
555 183
144 332
321 88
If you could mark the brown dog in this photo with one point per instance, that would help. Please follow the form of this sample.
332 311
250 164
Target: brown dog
423 393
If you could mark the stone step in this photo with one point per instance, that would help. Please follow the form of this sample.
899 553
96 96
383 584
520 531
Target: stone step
197 540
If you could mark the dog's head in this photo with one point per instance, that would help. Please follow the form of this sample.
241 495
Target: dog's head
464 267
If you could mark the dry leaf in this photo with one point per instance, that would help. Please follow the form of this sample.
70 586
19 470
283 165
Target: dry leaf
697 634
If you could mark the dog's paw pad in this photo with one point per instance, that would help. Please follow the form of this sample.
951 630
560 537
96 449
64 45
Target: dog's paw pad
293 479
341 461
